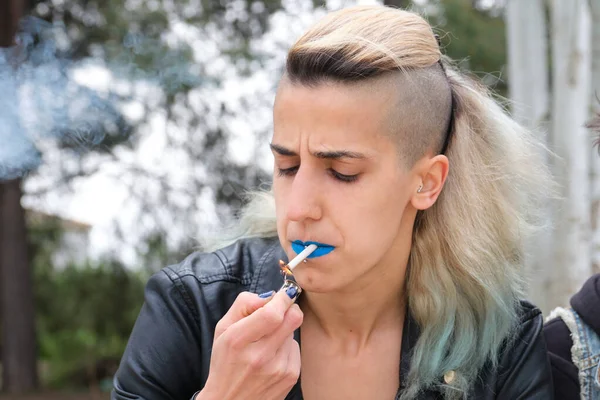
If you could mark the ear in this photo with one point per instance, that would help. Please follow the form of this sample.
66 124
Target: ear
432 173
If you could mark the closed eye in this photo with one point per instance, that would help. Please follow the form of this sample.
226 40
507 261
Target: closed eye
336 175
287 171
342 177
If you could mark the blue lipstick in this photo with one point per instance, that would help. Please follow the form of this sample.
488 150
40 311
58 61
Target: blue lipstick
322 248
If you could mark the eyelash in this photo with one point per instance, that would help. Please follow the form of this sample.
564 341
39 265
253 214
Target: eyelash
340 177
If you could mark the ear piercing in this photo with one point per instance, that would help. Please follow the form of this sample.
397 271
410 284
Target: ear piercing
420 188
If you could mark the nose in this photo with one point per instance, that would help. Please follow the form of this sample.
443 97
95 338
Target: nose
304 197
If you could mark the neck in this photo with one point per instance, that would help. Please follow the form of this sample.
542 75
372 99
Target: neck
352 314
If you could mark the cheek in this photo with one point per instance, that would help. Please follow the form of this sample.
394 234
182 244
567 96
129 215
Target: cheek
279 194
374 222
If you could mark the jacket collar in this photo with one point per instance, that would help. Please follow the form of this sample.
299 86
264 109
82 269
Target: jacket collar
410 334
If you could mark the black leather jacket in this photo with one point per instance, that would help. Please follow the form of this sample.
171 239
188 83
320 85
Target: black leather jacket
168 354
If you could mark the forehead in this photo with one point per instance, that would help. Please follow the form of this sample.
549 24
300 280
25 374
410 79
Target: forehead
357 113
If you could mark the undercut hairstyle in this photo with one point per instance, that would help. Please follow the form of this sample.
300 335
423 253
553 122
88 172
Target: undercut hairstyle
465 275
348 48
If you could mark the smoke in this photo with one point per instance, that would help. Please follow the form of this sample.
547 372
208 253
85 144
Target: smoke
41 101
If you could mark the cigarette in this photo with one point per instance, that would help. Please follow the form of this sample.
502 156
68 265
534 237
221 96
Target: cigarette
300 257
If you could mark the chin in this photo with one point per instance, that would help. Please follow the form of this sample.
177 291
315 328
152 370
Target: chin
317 281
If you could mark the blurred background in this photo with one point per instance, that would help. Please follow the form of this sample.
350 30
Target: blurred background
131 128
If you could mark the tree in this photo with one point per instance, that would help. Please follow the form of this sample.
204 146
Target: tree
528 84
184 96
595 161
472 33
527 61
571 83
404 4
17 311
20 155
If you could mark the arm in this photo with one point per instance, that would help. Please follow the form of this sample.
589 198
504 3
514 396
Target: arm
163 357
525 372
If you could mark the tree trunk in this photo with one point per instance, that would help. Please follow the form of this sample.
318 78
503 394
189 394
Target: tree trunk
19 371
595 172
571 77
527 61
10 13
526 34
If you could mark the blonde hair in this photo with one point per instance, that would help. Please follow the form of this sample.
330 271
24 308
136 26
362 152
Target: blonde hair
464 280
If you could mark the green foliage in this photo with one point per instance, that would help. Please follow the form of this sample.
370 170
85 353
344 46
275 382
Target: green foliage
476 38
84 313
84 317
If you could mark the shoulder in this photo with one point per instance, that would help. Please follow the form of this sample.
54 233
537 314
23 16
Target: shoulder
183 303
558 338
529 322
527 331
528 312
248 264
524 369
527 335
559 343
558 334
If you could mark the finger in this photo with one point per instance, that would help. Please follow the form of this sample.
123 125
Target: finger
263 321
279 368
292 321
294 362
244 305
277 364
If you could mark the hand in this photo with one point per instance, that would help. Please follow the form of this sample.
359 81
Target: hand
254 354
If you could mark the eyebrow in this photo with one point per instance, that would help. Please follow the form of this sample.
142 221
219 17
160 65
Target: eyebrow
329 155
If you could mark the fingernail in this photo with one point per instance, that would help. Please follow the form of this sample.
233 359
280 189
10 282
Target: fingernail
292 292
266 295
291 288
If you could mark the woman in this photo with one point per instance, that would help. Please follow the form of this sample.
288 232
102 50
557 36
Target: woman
419 189
573 337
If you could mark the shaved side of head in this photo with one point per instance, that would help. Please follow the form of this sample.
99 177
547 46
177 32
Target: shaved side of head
420 116
419 107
